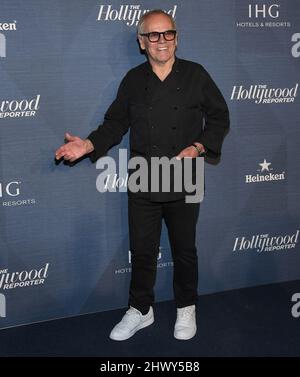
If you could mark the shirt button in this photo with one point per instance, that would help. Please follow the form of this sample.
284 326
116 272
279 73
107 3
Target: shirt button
178 88
150 107
154 146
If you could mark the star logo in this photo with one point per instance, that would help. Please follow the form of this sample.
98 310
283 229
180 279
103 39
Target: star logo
265 165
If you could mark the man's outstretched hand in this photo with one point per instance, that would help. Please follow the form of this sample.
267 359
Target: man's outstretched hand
74 148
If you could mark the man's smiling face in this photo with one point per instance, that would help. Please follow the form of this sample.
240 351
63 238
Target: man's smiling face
162 51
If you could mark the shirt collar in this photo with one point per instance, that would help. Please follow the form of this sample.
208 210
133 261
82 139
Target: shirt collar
175 67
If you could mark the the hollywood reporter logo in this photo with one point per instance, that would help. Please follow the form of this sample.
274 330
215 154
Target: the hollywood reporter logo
19 108
128 13
21 279
262 94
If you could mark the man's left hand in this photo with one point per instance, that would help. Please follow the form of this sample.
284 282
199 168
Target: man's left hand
190 152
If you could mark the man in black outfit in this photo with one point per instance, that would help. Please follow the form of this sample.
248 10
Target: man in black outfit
173 108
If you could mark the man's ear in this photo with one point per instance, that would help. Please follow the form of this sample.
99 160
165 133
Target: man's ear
141 42
176 40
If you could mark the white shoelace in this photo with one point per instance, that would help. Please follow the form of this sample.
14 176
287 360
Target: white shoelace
186 313
131 316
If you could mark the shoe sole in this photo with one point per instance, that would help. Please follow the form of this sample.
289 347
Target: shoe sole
142 326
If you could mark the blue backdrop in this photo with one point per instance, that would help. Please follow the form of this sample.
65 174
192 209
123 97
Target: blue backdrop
64 245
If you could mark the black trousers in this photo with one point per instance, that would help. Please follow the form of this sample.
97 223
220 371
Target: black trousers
145 223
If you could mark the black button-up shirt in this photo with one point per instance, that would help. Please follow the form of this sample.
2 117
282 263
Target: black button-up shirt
164 117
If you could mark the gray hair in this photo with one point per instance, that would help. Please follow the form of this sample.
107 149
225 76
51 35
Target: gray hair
146 15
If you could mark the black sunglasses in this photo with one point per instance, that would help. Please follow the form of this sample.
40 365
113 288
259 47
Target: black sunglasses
169 35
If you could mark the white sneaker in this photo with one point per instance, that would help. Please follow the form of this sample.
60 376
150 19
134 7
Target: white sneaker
185 326
132 321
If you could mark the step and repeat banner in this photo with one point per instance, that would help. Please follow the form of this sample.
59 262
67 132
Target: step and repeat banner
63 244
